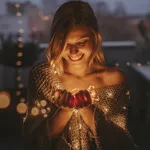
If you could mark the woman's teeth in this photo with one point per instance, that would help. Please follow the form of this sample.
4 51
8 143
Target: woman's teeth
76 58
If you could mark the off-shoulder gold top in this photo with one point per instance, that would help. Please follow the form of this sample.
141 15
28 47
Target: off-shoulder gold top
110 116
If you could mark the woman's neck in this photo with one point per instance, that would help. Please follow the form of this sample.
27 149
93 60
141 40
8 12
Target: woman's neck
77 70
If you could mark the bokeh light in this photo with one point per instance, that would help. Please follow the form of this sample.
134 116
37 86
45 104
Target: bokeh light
4 100
21 108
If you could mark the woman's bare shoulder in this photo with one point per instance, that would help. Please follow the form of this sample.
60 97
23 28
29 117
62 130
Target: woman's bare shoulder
113 76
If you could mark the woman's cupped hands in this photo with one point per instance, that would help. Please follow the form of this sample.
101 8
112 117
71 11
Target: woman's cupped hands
80 99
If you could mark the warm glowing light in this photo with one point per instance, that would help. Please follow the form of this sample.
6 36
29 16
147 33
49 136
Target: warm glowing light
35 111
139 64
128 63
124 107
20 45
148 62
4 100
20 21
21 108
19 54
93 93
18 93
18 78
43 103
20 85
43 111
117 64
21 30
46 17
18 14
48 108
20 39
17 5
45 115
18 63
22 100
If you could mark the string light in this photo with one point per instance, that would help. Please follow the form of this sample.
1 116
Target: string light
21 30
18 63
18 93
20 85
21 108
18 14
19 54
128 63
17 5
20 45
139 64
18 78
117 64
4 100
20 39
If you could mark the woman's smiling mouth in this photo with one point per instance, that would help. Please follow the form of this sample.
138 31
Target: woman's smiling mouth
76 58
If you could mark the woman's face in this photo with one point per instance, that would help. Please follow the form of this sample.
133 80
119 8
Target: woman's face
79 46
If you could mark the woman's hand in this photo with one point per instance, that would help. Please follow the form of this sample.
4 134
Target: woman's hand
82 99
62 98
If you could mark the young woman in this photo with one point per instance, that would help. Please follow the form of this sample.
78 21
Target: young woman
75 101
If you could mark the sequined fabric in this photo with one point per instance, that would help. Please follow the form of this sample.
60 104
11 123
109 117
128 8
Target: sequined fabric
110 110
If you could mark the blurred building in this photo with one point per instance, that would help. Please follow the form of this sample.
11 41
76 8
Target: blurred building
49 6
25 19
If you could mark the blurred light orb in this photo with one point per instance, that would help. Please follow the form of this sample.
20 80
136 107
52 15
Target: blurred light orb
18 14
20 39
43 103
18 63
43 111
20 85
19 54
22 100
139 64
21 108
117 64
35 111
128 63
18 78
18 93
4 100
148 62
20 45
17 5
21 30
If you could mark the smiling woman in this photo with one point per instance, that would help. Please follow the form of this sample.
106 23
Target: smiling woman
75 101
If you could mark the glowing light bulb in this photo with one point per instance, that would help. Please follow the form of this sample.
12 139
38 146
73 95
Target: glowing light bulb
21 108
43 103
18 14
19 54
4 100
18 63
35 111
18 93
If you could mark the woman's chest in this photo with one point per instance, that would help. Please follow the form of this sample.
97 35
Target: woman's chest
71 82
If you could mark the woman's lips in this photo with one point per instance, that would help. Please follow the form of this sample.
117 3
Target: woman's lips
76 57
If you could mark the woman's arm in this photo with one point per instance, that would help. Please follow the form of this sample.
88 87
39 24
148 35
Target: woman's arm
59 121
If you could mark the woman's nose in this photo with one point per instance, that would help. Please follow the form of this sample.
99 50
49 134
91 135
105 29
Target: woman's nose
74 50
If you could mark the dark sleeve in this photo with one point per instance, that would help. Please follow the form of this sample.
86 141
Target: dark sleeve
35 130
111 119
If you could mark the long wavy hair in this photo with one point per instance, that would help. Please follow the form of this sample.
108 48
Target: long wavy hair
67 16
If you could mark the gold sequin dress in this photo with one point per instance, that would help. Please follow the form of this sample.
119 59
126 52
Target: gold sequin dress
110 116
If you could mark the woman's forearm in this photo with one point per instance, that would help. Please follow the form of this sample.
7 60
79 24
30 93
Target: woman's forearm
59 121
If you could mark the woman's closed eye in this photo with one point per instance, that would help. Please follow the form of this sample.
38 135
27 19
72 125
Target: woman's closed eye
82 43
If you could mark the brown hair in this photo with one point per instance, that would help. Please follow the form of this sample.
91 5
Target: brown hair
68 15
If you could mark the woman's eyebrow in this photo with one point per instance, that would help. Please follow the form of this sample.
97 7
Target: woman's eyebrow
83 37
